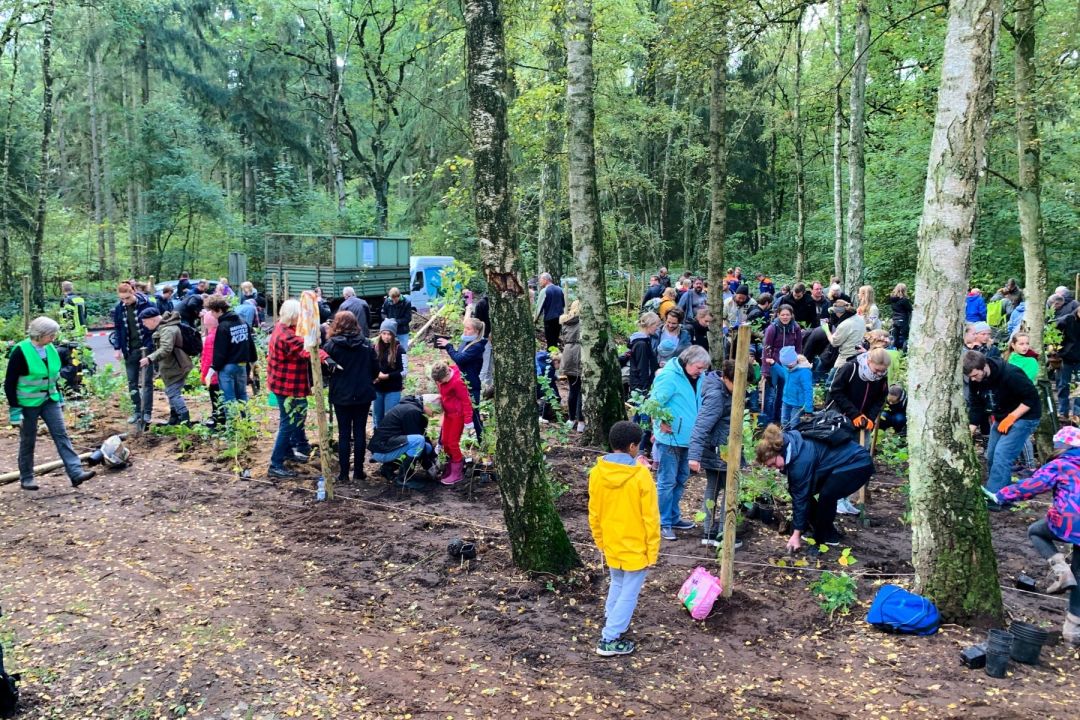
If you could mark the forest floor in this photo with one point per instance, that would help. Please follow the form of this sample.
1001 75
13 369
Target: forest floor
172 588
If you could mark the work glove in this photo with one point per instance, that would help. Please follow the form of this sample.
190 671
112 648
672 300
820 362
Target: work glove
1004 425
15 416
863 423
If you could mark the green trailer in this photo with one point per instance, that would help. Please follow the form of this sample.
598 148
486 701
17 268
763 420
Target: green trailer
370 265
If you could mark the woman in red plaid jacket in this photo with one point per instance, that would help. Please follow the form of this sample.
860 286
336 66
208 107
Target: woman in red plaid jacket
288 375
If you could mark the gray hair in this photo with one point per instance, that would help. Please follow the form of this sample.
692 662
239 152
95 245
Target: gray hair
545 276
347 292
289 312
695 354
43 327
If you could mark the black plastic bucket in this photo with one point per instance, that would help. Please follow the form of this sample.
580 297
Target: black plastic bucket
1027 642
1000 641
996 663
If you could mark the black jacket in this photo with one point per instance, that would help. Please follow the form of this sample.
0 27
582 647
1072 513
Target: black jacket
482 312
1070 334
234 342
713 423
394 367
354 370
190 308
1007 387
805 310
404 419
653 291
642 361
699 334
810 466
901 310
853 396
400 312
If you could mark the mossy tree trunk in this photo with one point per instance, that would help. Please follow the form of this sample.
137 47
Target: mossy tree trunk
601 378
951 549
538 540
838 139
718 212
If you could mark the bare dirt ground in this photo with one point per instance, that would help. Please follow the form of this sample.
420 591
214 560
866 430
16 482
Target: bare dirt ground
173 589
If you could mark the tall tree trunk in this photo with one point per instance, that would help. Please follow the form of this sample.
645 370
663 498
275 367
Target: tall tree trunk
951 549
1028 205
856 159
665 178
718 190
106 186
7 273
538 540
37 280
332 126
800 169
549 243
95 166
601 379
838 139
133 190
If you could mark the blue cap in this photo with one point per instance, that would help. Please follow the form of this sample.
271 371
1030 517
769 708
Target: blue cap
788 356
149 313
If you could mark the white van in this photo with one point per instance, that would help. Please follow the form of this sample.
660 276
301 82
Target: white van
424 279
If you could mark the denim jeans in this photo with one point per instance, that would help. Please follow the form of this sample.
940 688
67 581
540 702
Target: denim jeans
1044 541
143 402
1064 378
487 373
621 601
1002 451
774 393
403 341
292 414
175 394
384 403
233 382
53 415
789 415
412 448
671 479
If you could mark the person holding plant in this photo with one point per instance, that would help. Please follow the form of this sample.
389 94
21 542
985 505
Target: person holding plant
31 385
390 361
173 363
814 467
677 390
457 409
710 432
625 525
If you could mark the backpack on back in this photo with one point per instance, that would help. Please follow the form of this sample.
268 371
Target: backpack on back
995 313
191 340
896 610
828 426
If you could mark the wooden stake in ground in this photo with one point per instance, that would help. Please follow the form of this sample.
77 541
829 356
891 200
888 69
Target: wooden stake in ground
862 497
286 285
734 456
273 298
308 328
26 301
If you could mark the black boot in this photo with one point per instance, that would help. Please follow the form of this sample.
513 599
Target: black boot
28 484
183 417
76 482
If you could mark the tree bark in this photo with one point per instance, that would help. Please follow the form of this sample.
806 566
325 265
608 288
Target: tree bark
1028 204
856 158
334 77
800 168
133 190
954 560
538 540
7 274
37 280
106 186
601 379
838 140
718 209
95 165
549 245
665 180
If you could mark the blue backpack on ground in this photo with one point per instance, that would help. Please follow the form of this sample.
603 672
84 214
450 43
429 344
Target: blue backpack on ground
896 610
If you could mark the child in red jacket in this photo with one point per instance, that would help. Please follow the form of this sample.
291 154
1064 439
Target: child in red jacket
457 410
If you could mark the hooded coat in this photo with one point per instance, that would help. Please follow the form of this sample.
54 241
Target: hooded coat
809 464
624 515
173 363
355 369
404 419
674 390
713 423
777 337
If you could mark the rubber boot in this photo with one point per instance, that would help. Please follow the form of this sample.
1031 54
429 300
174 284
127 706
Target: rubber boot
1070 631
454 476
1061 575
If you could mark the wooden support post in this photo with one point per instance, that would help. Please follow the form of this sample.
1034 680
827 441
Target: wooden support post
286 285
629 288
320 418
862 498
734 457
1076 290
26 301
151 289
273 298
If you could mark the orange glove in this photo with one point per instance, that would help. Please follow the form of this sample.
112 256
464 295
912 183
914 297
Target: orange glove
863 422
1004 425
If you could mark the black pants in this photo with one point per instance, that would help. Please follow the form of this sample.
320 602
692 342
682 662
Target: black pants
352 436
573 400
551 332
839 484
899 335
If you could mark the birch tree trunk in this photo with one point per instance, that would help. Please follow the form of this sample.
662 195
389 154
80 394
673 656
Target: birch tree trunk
538 539
95 166
718 210
838 140
332 142
7 274
800 169
601 379
549 246
1028 205
37 280
856 158
951 549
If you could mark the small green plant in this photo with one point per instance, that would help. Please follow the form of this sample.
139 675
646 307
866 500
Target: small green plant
758 482
892 449
187 436
649 408
835 593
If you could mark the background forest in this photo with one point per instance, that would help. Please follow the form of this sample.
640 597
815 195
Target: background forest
145 137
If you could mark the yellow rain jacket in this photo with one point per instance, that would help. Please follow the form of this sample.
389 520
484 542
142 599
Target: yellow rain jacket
624 515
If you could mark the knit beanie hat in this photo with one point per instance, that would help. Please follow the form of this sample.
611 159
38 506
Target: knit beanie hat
742 290
788 356
389 326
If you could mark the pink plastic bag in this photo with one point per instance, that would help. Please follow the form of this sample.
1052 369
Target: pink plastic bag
699 592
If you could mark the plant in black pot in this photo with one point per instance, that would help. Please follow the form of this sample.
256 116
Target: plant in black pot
760 489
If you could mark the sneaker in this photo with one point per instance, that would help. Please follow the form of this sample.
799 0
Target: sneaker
298 457
132 419
844 507
277 472
28 484
711 541
581 427
684 525
610 648
668 534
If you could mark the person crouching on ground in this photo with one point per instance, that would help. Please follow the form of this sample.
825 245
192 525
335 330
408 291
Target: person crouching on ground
894 415
1062 522
812 466
351 389
457 410
32 389
172 362
624 519
399 443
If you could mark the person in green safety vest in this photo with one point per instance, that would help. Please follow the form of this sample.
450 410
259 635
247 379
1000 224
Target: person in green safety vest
32 391
73 311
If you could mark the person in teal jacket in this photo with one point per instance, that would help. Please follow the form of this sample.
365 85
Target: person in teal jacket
678 391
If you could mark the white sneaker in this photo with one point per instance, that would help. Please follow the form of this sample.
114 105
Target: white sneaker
581 427
844 507
569 424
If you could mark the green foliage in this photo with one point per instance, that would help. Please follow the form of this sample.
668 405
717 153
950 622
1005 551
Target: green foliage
836 593
624 324
892 449
761 483
648 407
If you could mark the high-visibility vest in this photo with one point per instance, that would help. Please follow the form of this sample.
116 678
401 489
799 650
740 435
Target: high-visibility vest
74 309
39 384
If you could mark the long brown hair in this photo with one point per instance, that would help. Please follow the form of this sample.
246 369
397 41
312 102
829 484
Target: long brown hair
387 352
770 445
344 323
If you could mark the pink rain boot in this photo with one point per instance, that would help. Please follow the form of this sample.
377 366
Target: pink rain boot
454 476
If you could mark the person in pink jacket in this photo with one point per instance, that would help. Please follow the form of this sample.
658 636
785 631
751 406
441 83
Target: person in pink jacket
207 375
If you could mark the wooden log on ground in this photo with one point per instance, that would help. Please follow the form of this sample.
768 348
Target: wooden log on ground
13 476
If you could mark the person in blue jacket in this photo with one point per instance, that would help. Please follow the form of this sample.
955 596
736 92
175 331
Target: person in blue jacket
814 468
129 340
677 389
710 432
975 306
470 359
